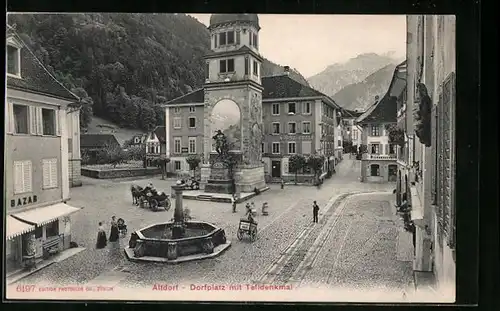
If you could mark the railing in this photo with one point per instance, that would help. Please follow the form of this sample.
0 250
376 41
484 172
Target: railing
381 156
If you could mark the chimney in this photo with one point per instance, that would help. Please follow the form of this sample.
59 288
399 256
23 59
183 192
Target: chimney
287 70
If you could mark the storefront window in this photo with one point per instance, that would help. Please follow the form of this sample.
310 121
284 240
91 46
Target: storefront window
52 229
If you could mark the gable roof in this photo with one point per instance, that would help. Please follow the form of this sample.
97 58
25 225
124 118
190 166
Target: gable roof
197 96
35 77
385 110
283 86
161 133
98 140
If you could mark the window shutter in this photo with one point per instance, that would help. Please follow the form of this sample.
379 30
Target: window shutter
386 149
39 121
18 177
250 35
58 127
10 118
27 176
216 37
33 120
53 173
46 173
238 37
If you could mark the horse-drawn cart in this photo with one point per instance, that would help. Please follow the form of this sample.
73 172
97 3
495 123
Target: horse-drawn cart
247 227
149 197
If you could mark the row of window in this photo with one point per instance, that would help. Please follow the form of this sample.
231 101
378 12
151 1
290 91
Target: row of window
23 171
232 37
328 111
153 148
178 145
292 128
227 66
291 108
34 120
376 148
376 130
192 109
178 122
291 147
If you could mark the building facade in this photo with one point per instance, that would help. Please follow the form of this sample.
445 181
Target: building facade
378 164
296 119
37 158
352 131
155 145
428 160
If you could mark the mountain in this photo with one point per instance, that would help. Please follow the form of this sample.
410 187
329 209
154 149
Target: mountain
337 76
270 69
123 65
362 94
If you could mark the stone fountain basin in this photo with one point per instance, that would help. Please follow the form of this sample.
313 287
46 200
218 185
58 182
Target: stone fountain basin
156 240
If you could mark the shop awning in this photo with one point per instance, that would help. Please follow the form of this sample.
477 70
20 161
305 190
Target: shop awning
15 227
43 215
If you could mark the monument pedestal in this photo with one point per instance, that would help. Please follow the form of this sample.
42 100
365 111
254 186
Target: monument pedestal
216 179
249 177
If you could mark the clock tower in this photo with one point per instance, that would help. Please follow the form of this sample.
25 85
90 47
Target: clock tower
233 98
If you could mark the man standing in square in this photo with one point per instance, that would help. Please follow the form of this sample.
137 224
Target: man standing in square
315 212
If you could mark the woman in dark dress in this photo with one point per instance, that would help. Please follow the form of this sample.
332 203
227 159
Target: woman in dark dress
101 237
115 232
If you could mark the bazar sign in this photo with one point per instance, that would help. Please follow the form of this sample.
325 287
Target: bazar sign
23 201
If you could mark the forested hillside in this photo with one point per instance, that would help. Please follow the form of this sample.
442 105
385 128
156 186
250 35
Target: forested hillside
123 65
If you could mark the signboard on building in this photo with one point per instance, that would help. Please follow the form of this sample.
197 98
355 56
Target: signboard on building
23 201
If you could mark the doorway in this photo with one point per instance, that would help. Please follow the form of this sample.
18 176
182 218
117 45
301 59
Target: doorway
276 169
393 169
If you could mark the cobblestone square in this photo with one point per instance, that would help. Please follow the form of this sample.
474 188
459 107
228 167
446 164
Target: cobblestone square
245 262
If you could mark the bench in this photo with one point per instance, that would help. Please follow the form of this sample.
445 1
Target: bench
51 247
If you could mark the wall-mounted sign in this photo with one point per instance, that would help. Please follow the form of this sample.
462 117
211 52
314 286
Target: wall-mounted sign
23 201
184 149
296 137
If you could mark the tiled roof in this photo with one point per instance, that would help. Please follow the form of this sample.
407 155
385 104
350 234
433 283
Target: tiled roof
36 78
97 140
284 86
385 110
161 133
197 96
275 87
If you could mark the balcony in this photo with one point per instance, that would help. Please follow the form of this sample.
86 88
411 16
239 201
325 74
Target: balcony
368 156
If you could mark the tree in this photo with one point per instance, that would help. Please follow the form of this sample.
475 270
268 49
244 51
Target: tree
362 149
136 152
296 163
86 110
162 162
113 155
193 161
315 162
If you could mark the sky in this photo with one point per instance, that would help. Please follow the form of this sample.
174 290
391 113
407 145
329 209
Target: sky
310 43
